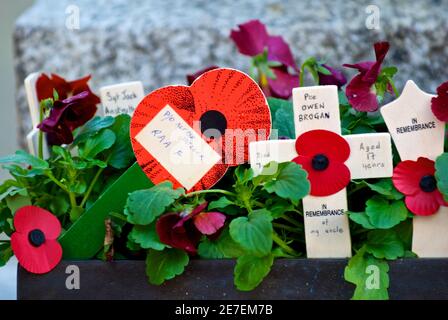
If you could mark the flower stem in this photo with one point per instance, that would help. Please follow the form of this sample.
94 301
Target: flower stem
356 188
283 244
92 184
71 195
394 88
228 193
291 221
301 76
118 216
285 227
41 134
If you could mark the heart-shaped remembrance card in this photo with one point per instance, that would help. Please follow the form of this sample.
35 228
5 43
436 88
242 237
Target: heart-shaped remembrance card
191 135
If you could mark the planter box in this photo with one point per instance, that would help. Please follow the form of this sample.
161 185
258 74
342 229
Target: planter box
213 279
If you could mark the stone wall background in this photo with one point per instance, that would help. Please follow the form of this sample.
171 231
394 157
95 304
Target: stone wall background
160 41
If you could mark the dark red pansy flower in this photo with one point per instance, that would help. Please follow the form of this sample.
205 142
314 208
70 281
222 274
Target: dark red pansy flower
439 104
184 230
415 179
336 77
45 86
322 154
197 74
360 91
251 39
67 115
34 241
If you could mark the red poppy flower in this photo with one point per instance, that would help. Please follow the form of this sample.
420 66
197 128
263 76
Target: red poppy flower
336 77
251 39
322 154
67 115
34 241
184 230
197 74
225 101
360 91
439 104
415 179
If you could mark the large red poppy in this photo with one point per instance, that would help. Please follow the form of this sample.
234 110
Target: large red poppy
34 241
226 100
183 230
415 179
322 154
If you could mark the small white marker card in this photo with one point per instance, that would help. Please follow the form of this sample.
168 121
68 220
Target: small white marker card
121 98
31 96
418 133
32 140
327 230
177 147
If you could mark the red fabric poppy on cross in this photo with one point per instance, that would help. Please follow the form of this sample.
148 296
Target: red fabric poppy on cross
322 154
34 241
415 179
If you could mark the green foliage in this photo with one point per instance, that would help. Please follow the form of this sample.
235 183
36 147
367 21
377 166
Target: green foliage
369 275
223 247
5 253
165 265
146 237
251 270
384 244
442 174
144 206
384 214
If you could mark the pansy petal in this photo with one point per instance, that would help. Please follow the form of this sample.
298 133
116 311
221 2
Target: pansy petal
278 50
362 67
80 85
29 218
407 175
44 87
381 49
209 222
325 142
61 86
336 77
326 182
281 87
360 95
439 104
423 203
183 237
251 38
37 260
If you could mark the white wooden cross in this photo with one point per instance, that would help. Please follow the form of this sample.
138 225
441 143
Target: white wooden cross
405 117
327 234
121 98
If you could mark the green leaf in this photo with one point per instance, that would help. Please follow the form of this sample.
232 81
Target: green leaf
278 207
369 275
146 237
254 232
442 174
284 122
250 271
75 213
23 157
59 205
165 265
92 127
384 214
290 183
321 69
223 247
384 244
144 206
17 201
243 175
220 203
5 253
276 104
121 154
361 218
386 188
96 144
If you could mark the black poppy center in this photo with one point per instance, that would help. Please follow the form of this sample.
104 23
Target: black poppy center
320 162
36 238
428 183
215 120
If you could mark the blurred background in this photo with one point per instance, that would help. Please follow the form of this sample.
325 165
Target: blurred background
159 42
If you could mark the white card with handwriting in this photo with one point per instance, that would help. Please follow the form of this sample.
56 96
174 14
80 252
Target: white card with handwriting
316 108
327 228
178 148
370 155
121 98
263 152
413 126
